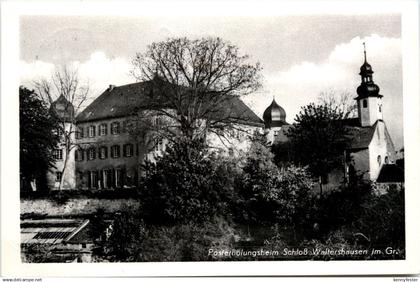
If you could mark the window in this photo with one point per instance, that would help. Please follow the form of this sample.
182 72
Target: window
103 129
92 129
386 160
380 108
79 155
276 132
379 159
103 153
79 133
106 178
58 176
115 128
115 151
128 150
58 154
91 154
365 103
93 179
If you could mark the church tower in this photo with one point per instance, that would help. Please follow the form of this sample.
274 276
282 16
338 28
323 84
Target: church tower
369 101
274 118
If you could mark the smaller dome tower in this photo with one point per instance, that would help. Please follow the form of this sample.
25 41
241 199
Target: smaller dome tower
274 118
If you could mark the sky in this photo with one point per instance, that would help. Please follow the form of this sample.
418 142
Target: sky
301 56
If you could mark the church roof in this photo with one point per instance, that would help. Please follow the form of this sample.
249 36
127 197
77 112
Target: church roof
121 101
359 137
63 108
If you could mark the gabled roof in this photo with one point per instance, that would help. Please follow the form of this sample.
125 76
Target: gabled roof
390 173
358 137
63 108
125 100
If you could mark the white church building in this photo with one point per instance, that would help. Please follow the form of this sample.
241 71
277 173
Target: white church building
371 148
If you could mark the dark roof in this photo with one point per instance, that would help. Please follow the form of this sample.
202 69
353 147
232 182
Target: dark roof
127 99
274 115
360 137
63 108
390 173
83 236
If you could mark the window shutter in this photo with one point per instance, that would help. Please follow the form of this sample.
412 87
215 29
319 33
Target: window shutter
100 178
122 177
112 172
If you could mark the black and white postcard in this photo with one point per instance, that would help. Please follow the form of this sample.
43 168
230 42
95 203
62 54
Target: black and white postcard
210 138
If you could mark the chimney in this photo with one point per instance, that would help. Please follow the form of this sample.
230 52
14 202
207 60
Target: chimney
111 87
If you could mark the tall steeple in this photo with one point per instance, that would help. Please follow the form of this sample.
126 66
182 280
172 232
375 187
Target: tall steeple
369 101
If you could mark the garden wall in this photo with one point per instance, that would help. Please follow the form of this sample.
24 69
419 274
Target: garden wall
76 206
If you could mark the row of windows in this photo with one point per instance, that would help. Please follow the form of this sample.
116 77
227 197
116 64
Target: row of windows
107 178
101 130
102 152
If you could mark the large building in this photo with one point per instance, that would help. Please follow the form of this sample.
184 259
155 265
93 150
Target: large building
111 146
370 147
110 151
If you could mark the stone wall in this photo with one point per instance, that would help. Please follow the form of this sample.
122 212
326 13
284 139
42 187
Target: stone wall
76 206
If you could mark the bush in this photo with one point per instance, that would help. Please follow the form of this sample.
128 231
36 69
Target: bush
382 219
184 185
268 194
186 242
124 242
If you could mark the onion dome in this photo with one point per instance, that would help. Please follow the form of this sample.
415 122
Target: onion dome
274 115
367 88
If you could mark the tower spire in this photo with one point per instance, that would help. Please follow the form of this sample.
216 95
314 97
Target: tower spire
364 50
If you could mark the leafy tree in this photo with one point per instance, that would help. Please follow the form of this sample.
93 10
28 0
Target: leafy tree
197 80
270 194
318 138
183 185
38 127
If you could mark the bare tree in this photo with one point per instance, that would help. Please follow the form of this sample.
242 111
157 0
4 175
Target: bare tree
64 88
342 101
195 82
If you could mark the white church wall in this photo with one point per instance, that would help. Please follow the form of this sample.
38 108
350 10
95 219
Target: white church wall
379 150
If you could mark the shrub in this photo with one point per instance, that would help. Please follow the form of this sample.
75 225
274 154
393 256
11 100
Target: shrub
124 242
184 185
186 242
268 194
382 219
